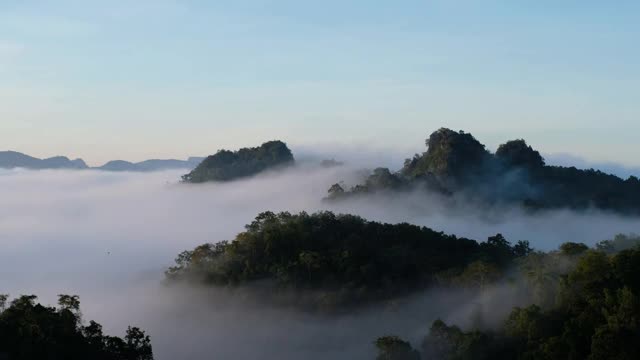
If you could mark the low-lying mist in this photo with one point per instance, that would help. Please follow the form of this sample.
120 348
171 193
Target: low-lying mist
108 237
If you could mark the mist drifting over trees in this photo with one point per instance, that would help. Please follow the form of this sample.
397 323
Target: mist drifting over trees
295 269
455 163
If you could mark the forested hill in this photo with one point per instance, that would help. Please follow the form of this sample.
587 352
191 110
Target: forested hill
32 331
455 162
343 259
228 165
587 310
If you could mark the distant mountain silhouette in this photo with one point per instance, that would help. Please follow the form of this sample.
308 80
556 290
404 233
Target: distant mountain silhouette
151 165
14 159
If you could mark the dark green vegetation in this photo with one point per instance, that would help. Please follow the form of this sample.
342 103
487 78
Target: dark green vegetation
343 259
30 331
394 348
228 165
455 162
587 306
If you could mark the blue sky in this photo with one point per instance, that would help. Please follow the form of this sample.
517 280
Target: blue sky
162 78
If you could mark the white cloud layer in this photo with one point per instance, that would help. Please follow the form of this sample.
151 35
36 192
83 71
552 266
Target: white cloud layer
109 236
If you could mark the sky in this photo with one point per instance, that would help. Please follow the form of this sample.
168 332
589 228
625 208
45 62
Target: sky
170 79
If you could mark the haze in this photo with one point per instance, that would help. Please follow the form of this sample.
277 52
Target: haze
109 236
360 82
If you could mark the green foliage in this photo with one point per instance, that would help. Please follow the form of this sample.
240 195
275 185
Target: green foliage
542 273
450 342
382 178
354 260
522 248
573 249
580 189
479 274
515 174
394 348
618 243
31 331
597 316
517 153
451 155
227 165
69 302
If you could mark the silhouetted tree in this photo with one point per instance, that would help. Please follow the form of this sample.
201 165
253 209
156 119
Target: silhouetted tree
31 331
394 348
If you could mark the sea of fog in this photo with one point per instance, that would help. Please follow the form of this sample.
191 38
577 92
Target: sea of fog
108 237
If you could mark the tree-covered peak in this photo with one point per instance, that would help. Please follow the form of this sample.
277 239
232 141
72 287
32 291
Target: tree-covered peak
226 165
340 260
449 154
455 162
516 153
32 331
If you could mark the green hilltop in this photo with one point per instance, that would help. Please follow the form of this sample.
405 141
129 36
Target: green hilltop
228 165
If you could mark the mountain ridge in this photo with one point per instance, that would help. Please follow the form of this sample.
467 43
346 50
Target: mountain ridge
456 163
13 159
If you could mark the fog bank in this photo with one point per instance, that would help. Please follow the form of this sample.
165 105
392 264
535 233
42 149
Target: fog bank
109 236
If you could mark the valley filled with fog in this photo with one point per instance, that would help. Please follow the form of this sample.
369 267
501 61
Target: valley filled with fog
109 237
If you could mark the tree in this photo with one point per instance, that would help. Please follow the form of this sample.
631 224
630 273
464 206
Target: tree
480 274
572 248
526 323
450 342
336 191
596 317
228 165
456 163
498 249
342 257
69 302
31 331
383 179
522 248
517 153
619 242
311 260
394 348
138 345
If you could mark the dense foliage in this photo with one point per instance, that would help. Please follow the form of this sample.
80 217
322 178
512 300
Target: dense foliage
227 165
350 259
30 331
586 307
452 155
455 162
394 348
